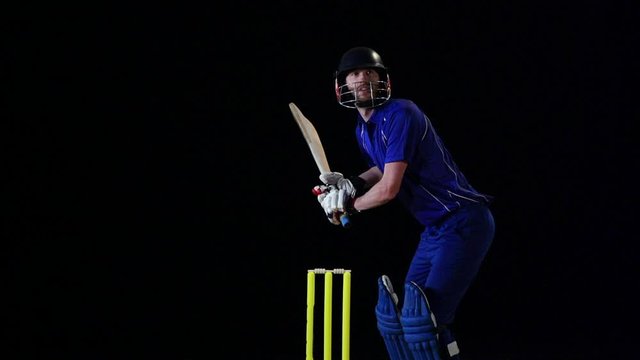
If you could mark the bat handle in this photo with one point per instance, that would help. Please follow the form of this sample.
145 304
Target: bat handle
344 219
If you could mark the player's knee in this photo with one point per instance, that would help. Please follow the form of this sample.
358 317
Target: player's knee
418 324
421 329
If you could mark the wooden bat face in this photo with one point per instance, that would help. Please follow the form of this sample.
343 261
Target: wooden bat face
313 139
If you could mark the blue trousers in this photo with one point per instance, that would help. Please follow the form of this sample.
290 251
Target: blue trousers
449 256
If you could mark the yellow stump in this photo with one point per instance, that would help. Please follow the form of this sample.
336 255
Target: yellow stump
328 313
346 314
311 296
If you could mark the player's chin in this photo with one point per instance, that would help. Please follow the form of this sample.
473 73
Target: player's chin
364 100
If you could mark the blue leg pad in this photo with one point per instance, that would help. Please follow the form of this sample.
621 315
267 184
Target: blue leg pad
389 323
419 324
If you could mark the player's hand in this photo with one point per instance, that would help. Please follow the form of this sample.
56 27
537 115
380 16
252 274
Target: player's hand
352 185
338 180
331 178
333 202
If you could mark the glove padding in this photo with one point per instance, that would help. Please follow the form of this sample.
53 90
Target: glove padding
352 185
334 202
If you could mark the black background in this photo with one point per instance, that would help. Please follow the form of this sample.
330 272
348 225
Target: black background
158 199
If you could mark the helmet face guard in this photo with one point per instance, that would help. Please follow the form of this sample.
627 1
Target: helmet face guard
379 91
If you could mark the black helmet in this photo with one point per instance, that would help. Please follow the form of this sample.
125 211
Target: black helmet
362 57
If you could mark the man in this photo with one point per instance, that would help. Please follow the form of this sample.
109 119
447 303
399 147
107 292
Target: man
409 162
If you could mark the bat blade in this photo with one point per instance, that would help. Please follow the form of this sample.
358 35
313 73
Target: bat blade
312 138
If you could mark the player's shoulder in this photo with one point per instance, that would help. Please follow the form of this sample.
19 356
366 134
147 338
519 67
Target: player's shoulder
396 105
402 108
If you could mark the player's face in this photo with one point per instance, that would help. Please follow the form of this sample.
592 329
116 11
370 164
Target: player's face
362 82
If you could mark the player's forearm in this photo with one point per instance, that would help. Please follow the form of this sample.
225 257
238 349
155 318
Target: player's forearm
371 176
385 188
378 195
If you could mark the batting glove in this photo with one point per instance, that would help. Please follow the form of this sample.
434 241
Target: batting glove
353 185
334 203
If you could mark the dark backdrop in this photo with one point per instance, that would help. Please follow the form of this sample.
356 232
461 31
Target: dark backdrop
158 188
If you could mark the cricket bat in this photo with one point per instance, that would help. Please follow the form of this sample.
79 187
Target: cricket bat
315 145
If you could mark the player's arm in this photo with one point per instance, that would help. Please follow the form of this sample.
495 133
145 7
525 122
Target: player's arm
371 176
383 190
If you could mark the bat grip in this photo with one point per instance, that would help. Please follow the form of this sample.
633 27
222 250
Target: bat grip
344 219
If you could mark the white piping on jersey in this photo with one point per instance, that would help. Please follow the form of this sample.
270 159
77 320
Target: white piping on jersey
455 175
384 136
364 144
436 198
424 135
460 196
426 128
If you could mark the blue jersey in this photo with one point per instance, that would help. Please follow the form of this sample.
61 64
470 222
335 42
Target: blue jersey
432 186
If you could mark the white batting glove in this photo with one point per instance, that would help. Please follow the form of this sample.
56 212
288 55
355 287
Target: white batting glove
333 203
338 180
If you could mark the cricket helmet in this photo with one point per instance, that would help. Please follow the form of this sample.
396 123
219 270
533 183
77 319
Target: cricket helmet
362 57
